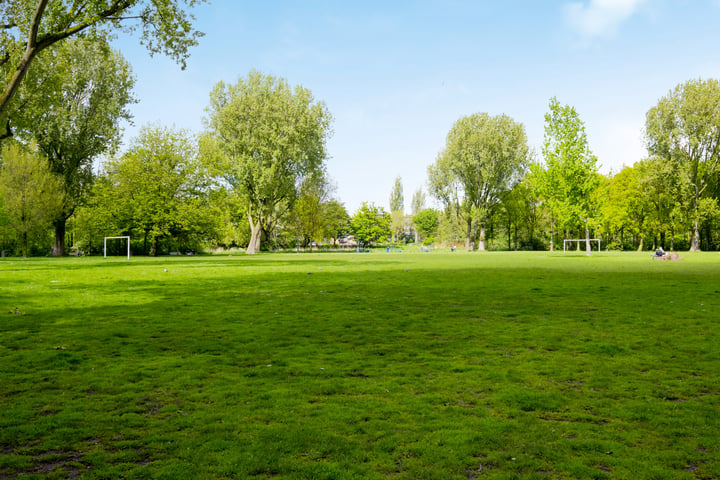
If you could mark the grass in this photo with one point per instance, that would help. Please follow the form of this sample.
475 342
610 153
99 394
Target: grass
323 366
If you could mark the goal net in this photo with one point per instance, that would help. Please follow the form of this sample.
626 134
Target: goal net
570 240
120 239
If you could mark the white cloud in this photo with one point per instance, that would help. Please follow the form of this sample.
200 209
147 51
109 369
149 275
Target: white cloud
599 17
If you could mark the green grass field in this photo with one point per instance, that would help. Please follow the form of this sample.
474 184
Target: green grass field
323 366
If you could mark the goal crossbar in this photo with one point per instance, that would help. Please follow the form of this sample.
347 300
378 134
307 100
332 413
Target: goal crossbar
565 242
116 238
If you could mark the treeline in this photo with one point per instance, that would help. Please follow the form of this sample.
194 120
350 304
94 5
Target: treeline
256 178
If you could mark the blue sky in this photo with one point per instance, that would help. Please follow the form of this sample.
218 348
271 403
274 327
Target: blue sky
396 75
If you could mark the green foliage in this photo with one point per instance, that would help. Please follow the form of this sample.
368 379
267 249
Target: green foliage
484 156
75 98
371 224
682 129
427 222
29 192
405 366
336 220
273 136
27 28
569 178
158 190
418 201
397 200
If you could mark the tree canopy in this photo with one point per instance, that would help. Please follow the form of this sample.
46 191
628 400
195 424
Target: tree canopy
371 224
27 27
76 97
569 177
684 130
483 157
273 136
29 191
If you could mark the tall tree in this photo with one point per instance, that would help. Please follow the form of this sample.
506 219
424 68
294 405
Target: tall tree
27 27
29 191
483 157
397 200
418 201
75 98
397 207
684 129
273 136
570 176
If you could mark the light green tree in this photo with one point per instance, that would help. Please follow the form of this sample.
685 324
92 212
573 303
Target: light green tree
569 177
483 157
75 97
28 27
273 136
622 208
371 224
684 130
158 190
427 222
29 191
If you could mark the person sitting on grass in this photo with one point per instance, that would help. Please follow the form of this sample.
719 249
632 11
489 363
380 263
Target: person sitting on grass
660 252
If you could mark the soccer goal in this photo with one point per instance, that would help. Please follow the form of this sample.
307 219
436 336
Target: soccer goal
116 238
570 240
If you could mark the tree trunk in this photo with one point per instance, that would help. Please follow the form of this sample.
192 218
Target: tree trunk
58 249
587 240
468 234
695 243
255 235
25 244
153 246
481 242
474 236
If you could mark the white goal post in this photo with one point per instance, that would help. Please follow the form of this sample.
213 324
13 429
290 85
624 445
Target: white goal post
579 240
116 238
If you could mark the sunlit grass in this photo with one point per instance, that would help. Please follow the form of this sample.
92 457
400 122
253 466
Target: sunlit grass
401 365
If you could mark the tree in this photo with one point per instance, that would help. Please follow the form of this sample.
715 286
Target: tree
158 190
78 95
397 207
308 213
483 157
418 201
426 223
370 224
337 220
27 27
684 129
520 214
29 190
623 208
570 176
273 137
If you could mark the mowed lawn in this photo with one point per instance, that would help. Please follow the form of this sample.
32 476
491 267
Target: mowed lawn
382 365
